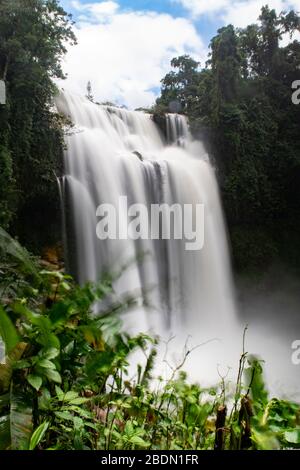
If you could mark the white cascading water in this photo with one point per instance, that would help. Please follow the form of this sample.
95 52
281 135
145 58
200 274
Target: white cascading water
114 152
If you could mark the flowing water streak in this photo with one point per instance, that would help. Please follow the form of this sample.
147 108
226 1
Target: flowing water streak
114 152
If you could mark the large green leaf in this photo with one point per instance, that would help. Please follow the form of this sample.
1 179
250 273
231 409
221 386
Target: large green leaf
8 332
20 420
50 353
53 376
138 441
38 435
292 436
35 381
16 424
46 364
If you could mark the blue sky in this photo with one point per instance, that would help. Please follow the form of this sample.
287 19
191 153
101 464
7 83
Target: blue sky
125 46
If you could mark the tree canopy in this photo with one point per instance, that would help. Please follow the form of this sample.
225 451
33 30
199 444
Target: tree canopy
33 38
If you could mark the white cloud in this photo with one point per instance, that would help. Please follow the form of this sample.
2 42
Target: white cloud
238 12
243 13
126 53
201 7
101 11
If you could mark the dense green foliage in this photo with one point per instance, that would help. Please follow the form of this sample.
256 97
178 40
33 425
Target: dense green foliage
33 35
240 103
67 382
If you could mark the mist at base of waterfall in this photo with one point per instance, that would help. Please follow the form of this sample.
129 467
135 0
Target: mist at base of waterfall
270 310
216 353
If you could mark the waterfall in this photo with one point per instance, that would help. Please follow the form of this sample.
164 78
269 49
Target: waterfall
177 130
112 153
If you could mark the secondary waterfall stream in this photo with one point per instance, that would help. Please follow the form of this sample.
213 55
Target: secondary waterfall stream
113 153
